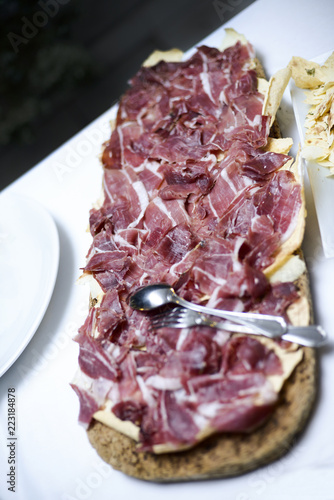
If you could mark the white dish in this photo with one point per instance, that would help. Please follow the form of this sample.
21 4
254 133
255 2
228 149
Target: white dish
29 257
322 185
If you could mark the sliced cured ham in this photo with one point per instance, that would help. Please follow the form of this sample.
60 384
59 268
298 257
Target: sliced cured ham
191 198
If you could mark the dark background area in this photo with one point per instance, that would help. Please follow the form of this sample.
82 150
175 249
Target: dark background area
65 62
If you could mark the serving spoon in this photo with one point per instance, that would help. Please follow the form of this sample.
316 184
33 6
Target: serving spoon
160 294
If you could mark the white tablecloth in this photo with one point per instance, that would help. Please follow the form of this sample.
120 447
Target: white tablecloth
54 459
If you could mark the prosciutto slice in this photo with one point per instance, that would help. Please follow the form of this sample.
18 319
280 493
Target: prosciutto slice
191 198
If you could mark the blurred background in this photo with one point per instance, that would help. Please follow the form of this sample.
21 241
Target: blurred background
65 62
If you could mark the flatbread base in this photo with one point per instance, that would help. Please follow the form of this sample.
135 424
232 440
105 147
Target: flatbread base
222 455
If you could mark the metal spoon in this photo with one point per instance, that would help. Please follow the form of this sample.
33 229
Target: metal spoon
153 296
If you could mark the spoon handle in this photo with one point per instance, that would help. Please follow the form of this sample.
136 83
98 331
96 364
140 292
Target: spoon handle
309 336
271 326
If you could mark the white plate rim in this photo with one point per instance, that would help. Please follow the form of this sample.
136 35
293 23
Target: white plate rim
41 302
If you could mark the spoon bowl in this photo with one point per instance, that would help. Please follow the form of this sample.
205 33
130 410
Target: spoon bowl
152 296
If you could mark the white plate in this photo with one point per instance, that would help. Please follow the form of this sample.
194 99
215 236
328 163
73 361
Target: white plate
322 185
29 256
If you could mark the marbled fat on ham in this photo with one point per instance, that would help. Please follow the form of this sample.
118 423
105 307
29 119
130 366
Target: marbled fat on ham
191 198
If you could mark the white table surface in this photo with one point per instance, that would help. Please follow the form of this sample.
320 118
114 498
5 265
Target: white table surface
54 458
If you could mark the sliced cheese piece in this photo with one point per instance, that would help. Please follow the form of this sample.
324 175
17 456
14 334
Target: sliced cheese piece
99 202
281 146
96 292
276 88
299 312
262 86
291 270
172 55
107 417
231 38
